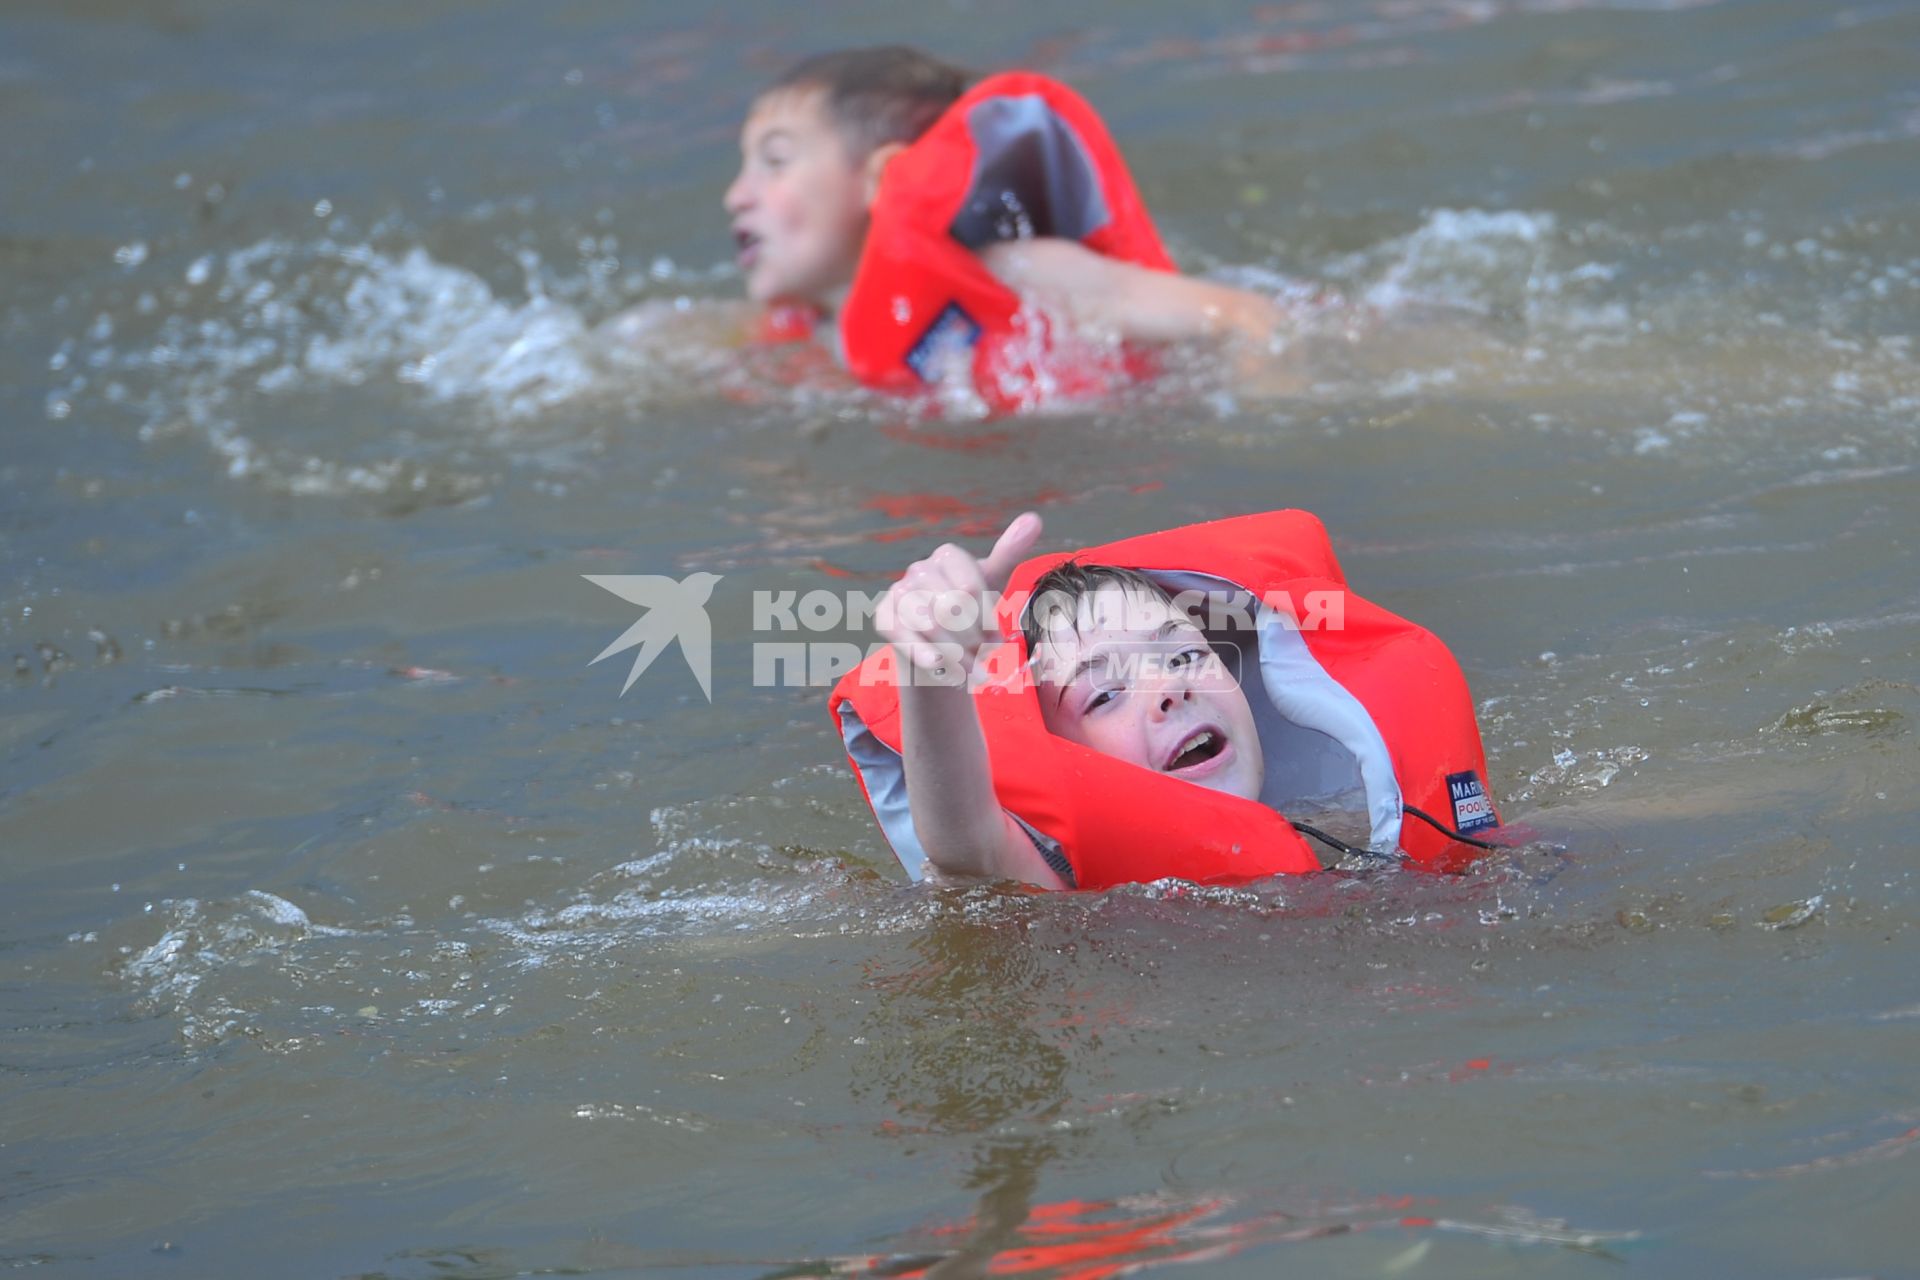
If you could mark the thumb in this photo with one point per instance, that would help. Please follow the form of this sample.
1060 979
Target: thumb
1013 546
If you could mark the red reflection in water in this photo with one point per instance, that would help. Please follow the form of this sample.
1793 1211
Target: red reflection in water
1098 1239
951 441
962 517
1885 1149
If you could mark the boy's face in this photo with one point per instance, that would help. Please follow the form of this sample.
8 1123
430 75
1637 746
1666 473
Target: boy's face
799 206
1136 680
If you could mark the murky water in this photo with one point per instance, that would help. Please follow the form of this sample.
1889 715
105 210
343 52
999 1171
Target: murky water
353 925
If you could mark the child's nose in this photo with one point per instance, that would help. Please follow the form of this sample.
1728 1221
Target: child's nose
737 196
1170 694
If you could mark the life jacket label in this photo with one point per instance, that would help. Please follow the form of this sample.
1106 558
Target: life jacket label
951 335
1472 810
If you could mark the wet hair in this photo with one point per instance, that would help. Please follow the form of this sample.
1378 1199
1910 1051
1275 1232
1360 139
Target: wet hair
887 93
1057 594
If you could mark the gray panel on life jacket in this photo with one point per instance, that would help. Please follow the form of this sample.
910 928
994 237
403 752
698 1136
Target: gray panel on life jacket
886 781
885 776
1032 176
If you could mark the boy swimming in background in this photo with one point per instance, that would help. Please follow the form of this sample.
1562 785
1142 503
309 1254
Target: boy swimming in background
1119 668
814 150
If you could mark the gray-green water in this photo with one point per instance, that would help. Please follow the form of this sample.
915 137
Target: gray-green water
352 925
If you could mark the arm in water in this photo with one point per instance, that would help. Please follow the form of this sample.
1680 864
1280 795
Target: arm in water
1066 277
936 618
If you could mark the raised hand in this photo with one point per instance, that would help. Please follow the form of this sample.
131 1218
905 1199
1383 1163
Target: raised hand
939 613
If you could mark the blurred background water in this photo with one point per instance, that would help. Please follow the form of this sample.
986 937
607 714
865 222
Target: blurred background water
352 925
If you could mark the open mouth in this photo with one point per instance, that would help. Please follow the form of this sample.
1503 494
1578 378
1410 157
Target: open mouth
1196 749
746 246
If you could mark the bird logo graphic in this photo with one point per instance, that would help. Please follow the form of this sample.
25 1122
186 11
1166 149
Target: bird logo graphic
674 611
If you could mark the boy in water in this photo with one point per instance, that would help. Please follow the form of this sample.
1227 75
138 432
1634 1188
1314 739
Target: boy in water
1118 666
813 150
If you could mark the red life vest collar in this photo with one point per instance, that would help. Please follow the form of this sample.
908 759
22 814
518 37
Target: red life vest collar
1375 706
1018 156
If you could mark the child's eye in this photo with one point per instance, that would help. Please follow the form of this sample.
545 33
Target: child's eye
1099 699
1186 658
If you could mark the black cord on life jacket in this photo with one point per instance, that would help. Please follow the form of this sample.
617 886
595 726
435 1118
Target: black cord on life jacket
1341 847
1346 850
1446 830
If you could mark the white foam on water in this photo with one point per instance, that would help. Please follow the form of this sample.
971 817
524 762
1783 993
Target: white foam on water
716 873
279 910
265 353
252 330
599 925
203 940
440 328
1470 259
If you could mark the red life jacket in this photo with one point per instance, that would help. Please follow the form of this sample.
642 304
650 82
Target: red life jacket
1018 156
1368 704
